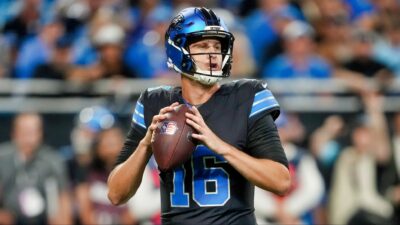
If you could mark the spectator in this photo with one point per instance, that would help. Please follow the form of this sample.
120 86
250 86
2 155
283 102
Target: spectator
5 58
354 179
387 49
362 60
33 182
269 17
25 24
299 59
335 38
82 19
89 122
307 183
109 42
146 55
390 182
386 10
94 207
59 65
325 145
362 13
140 12
38 50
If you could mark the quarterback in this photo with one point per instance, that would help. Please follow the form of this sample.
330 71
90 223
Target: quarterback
239 143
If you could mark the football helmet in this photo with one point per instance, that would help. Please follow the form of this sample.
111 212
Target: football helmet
192 25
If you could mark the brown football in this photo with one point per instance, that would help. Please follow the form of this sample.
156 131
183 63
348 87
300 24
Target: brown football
173 144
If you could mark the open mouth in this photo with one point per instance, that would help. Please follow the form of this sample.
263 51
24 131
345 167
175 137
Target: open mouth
214 66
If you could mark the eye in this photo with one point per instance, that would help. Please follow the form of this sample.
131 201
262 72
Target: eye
203 45
200 45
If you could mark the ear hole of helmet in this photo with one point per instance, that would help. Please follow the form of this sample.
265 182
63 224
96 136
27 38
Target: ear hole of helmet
187 63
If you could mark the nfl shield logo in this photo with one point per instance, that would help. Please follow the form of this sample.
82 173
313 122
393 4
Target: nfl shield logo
168 128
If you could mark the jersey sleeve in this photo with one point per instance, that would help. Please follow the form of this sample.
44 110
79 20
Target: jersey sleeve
264 142
264 102
141 118
263 138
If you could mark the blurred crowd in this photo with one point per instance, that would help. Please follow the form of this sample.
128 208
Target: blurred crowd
86 40
345 170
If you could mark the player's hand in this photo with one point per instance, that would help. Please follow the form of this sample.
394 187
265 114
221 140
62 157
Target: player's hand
205 134
149 138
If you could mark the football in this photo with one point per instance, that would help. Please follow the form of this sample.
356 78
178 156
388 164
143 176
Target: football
172 142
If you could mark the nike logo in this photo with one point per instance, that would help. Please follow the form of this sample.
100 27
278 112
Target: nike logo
264 85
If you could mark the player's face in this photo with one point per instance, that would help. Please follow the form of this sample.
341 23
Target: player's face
211 61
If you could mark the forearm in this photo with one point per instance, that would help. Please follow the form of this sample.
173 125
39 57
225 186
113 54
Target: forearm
125 179
264 173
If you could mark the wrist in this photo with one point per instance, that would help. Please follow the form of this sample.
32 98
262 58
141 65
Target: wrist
146 145
224 149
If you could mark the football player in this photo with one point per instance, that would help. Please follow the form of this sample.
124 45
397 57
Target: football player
240 146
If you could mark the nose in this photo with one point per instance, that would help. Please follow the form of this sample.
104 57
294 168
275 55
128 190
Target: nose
212 52
212 56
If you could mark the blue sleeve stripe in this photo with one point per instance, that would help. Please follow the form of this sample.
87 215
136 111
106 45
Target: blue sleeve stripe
138 113
263 104
262 109
139 107
138 120
138 116
263 100
262 94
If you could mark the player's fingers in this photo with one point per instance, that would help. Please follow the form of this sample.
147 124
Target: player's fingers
195 111
155 119
194 125
152 136
198 137
168 108
165 110
158 118
174 104
153 126
193 117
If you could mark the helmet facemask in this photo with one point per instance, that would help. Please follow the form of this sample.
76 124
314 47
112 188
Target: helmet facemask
209 75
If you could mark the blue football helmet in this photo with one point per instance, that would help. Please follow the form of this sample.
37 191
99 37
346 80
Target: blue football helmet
192 25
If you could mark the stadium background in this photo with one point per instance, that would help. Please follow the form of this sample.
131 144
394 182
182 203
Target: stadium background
321 58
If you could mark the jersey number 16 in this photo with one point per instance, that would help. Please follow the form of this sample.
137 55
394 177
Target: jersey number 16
202 176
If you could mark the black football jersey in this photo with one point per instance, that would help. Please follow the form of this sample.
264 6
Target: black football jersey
206 189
